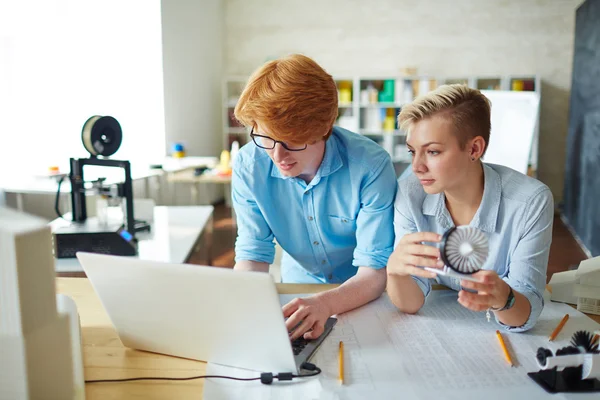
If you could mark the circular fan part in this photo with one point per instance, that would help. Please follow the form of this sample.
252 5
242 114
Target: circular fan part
542 356
101 136
585 340
464 249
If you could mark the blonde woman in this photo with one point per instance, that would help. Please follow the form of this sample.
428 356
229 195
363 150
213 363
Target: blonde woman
448 134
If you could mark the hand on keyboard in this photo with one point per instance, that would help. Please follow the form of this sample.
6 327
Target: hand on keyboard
306 317
298 345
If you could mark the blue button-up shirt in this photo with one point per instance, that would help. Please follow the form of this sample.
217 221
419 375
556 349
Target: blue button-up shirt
516 213
341 220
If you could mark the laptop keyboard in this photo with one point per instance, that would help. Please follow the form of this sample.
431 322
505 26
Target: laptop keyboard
299 344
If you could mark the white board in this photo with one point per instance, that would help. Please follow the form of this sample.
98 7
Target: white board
513 140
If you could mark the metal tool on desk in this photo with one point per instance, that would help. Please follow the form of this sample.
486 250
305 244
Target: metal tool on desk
101 137
575 368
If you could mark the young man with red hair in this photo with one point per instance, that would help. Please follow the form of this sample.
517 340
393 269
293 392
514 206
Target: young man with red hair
324 193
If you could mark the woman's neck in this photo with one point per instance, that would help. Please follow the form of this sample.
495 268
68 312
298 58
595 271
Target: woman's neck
463 201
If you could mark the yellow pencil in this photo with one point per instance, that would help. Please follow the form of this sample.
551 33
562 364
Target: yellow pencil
558 328
504 349
341 362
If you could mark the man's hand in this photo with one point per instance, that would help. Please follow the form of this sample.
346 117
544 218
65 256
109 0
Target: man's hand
492 292
310 313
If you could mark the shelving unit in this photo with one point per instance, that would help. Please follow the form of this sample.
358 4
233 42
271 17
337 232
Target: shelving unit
232 129
370 105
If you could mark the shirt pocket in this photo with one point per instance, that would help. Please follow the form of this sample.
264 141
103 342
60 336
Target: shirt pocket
342 226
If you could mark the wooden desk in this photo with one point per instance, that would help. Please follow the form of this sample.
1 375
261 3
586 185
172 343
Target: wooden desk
104 357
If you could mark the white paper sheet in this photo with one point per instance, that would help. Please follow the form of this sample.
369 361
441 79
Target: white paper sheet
445 351
514 120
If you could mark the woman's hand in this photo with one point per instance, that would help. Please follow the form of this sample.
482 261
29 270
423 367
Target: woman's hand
410 254
492 292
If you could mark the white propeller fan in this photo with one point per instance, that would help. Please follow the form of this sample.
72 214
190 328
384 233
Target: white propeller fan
464 250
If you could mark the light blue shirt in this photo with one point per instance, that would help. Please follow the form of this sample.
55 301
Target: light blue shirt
341 220
516 213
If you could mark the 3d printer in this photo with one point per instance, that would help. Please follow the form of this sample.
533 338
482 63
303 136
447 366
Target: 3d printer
101 137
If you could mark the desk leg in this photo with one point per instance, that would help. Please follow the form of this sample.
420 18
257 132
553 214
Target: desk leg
171 191
194 191
147 194
228 201
228 195
158 180
20 201
208 240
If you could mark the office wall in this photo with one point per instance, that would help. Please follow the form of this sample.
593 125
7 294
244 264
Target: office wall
582 183
192 68
359 37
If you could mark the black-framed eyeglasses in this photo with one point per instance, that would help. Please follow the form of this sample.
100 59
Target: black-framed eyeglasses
265 142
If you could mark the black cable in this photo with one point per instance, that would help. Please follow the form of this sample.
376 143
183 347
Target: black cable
57 200
265 378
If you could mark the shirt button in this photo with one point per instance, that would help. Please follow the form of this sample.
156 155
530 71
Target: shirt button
310 218
316 243
323 262
330 276
344 220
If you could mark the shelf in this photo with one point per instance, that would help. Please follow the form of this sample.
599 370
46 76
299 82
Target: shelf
355 109
366 132
489 83
522 84
452 81
381 105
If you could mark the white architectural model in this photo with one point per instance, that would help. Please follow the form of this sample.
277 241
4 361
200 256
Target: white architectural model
587 288
581 287
35 340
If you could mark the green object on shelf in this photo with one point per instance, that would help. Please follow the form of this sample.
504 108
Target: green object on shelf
386 95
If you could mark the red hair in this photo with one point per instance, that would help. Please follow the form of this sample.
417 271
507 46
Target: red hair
293 97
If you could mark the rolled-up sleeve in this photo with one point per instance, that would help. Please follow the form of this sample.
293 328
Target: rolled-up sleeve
529 261
374 223
254 237
404 225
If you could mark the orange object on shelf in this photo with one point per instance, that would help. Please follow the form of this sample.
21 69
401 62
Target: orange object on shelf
226 172
53 170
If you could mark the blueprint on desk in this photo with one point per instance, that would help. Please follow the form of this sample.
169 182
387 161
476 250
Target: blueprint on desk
443 351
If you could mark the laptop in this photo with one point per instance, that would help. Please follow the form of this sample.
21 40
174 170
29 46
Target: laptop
218 315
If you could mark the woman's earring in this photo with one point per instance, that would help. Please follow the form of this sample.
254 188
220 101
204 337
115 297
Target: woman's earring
472 158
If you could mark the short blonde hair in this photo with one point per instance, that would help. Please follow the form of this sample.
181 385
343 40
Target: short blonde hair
467 109
293 97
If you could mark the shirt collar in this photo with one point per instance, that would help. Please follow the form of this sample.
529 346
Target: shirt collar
486 216
332 161
435 205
